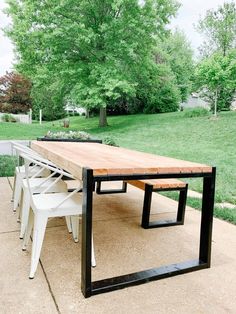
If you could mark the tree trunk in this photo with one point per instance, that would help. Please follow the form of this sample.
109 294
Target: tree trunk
216 99
87 114
103 117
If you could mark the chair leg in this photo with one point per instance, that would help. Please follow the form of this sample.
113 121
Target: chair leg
24 212
68 223
17 193
40 222
28 230
75 227
13 188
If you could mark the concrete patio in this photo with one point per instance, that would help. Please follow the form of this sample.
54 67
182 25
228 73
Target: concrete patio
121 246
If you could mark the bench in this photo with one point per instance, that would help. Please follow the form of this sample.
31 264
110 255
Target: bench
157 185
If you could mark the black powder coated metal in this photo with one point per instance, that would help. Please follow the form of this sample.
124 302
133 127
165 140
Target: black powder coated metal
146 224
90 288
111 191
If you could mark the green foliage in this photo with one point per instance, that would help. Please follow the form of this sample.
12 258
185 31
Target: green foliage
219 28
176 51
216 77
157 91
7 166
109 141
196 112
94 49
8 118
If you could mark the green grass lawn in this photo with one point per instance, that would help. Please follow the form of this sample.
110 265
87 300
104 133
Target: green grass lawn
198 139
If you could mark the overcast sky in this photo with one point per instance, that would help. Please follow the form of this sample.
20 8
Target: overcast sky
188 14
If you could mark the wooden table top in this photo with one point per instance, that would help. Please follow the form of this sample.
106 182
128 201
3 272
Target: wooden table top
107 160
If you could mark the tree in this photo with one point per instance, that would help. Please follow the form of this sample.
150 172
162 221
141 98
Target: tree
98 47
216 75
15 93
176 51
219 28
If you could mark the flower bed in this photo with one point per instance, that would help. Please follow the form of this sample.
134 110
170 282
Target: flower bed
71 136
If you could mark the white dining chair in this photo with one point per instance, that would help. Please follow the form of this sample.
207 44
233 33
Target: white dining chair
19 174
46 205
46 182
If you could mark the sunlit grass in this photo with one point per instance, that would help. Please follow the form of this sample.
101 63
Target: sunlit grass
200 139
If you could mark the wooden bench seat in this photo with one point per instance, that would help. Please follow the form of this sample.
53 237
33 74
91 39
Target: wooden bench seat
157 185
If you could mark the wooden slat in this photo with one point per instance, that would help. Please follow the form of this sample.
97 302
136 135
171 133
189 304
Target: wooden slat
158 183
107 160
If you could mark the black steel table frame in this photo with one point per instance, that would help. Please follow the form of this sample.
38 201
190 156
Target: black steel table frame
90 288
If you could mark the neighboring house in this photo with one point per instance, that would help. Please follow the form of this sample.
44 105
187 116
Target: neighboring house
73 109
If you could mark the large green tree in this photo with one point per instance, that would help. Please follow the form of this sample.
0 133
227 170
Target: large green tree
175 50
97 47
219 28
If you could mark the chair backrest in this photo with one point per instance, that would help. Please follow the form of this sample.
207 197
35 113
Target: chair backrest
28 160
22 149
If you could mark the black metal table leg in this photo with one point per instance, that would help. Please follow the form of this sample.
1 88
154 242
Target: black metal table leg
88 184
90 288
207 218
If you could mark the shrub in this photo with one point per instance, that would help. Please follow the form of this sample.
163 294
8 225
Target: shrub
8 118
197 112
109 141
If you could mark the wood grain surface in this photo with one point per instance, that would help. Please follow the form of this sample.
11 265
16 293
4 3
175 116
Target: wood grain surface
107 160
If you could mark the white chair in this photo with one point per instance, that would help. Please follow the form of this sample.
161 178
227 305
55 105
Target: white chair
44 184
44 206
19 175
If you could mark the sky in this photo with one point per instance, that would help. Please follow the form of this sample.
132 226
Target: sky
188 14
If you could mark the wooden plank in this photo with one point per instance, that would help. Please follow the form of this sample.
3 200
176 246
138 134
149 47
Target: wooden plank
108 160
158 183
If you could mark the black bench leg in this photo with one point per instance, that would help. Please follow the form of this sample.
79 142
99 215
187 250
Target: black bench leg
146 224
182 205
147 206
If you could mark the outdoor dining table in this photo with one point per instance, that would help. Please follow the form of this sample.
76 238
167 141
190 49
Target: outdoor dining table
93 162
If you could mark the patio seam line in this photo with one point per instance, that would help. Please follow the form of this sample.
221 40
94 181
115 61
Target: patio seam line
11 231
49 287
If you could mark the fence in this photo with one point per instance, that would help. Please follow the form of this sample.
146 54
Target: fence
22 118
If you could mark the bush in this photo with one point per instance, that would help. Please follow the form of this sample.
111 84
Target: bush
14 108
109 141
8 118
197 112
